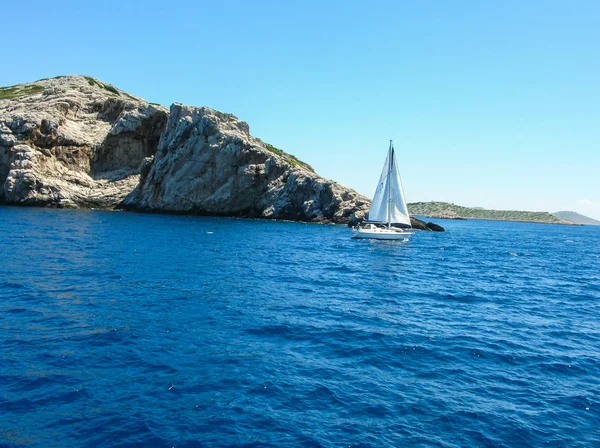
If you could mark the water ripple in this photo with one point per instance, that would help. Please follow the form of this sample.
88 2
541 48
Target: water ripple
150 330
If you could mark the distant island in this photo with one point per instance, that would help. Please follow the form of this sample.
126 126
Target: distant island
446 210
577 218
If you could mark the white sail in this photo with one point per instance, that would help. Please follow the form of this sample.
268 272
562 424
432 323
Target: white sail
398 209
378 211
389 205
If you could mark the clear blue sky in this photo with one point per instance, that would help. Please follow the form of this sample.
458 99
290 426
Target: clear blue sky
493 104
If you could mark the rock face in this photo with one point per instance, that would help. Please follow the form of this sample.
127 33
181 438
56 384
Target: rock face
207 162
73 142
422 225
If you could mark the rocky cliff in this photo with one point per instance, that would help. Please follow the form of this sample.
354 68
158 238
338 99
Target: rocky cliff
75 141
207 162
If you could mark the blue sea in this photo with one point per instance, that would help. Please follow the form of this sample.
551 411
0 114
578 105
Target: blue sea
142 330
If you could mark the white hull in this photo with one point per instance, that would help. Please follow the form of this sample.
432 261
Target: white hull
381 233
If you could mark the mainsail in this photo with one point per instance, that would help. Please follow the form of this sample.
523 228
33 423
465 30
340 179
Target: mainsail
388 205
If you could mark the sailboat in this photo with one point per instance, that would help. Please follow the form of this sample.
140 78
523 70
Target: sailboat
388 217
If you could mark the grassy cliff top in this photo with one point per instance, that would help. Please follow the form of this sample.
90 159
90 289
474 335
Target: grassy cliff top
75 82
453 211
10 92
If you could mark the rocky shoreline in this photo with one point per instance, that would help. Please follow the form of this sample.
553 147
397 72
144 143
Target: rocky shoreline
78 142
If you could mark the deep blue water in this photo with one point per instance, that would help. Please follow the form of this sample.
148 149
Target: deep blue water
123 329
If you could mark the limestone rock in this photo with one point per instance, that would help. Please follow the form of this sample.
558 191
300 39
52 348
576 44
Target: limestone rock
73 141
208 163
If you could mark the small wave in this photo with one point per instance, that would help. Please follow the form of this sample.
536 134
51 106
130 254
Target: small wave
12 285
464 298
324 396
100 337
288 332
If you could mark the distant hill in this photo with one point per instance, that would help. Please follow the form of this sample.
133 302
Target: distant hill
452 211
577 218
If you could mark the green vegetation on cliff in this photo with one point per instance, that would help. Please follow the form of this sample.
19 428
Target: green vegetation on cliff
452 211
292 160
108 87
8 93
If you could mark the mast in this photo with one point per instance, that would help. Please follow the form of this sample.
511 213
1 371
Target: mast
389 184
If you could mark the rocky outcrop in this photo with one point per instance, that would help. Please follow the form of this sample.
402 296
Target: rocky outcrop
208 163
73 142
